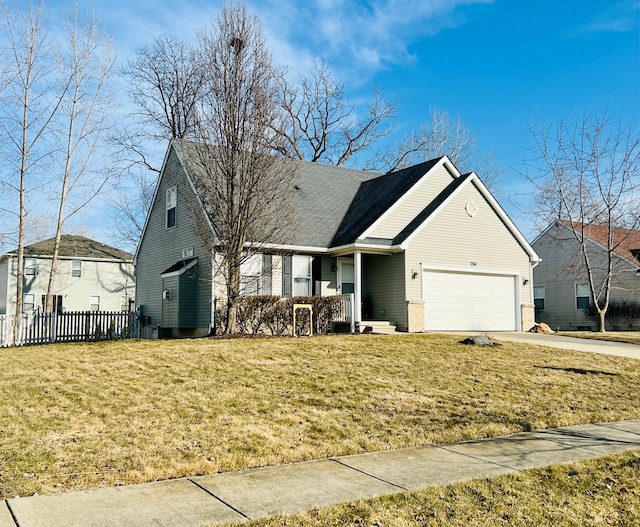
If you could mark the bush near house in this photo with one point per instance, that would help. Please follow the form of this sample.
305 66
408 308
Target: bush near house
620 314
273 315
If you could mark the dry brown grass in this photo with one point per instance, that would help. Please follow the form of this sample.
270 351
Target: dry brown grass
601 492
632 337
86 415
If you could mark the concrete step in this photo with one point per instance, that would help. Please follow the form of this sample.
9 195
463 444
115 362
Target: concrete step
377 326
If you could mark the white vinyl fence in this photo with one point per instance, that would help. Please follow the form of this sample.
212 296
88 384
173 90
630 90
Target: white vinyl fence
42 328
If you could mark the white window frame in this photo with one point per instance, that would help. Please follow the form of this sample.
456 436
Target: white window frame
536 296
171 200
30 266
76 269
582 288
250 274
301 268
93 303
28 299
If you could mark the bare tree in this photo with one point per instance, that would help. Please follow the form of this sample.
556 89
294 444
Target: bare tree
321 125
82 122
29 105
441 136
165 82
587 174
131 204
245 191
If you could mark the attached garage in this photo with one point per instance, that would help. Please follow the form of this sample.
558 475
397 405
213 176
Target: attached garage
459 301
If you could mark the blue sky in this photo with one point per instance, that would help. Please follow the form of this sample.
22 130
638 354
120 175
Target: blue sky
502 65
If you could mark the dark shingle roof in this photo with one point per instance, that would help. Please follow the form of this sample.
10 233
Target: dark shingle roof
76 247
374 197
334 205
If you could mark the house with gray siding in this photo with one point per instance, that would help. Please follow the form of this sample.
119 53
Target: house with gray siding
90 276
424 248
561 287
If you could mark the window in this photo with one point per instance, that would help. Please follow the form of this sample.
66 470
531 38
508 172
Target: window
538 297
296 275
30 267
301 270
250 273
56 303
171 200
29 303
583 296
76 269
94 303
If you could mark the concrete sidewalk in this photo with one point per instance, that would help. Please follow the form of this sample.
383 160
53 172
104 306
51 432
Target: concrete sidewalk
263 492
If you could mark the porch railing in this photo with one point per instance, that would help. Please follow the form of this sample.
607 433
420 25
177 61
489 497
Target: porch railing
348 310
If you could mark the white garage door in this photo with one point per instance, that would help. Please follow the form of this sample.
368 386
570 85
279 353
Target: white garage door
468 302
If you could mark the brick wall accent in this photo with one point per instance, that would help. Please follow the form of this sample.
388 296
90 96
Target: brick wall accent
528 316
415 316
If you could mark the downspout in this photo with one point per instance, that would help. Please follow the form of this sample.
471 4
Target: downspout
357 269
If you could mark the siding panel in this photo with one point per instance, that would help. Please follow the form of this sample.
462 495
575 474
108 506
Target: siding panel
560 271
424 194
160 248
384 281
453 239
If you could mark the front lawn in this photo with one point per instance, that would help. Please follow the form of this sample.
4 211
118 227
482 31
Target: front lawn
596 493
86 415
632 337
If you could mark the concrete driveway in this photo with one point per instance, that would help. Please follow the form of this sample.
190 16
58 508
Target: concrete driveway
570 343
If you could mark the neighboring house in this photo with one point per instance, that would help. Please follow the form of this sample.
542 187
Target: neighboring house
426 247
91 276
561 287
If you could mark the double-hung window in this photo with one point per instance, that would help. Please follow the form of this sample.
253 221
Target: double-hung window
171 204
250 272
76 268
94 303
29 303
296 275
30 267
583 296
538 297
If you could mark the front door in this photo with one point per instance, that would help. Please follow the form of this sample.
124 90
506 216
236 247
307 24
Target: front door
346 276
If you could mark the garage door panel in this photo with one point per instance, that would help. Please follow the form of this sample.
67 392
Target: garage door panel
468 301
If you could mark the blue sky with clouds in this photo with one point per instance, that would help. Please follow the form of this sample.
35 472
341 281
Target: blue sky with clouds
502 65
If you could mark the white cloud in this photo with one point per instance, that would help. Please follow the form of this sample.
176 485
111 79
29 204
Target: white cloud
618 18
358 37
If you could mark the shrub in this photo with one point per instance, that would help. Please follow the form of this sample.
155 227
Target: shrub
274 315
626 311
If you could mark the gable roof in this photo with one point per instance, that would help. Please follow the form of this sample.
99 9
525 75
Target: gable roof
73 246
374 197
335 207
431 208
626 242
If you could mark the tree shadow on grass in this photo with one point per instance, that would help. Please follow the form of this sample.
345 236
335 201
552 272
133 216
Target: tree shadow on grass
580 371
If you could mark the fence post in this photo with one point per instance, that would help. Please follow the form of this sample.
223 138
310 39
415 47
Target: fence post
54 326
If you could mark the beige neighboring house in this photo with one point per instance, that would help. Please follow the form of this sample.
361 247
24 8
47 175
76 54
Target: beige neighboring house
423 248
91 276
561 287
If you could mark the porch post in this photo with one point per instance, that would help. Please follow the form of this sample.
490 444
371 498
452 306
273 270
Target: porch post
357 271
